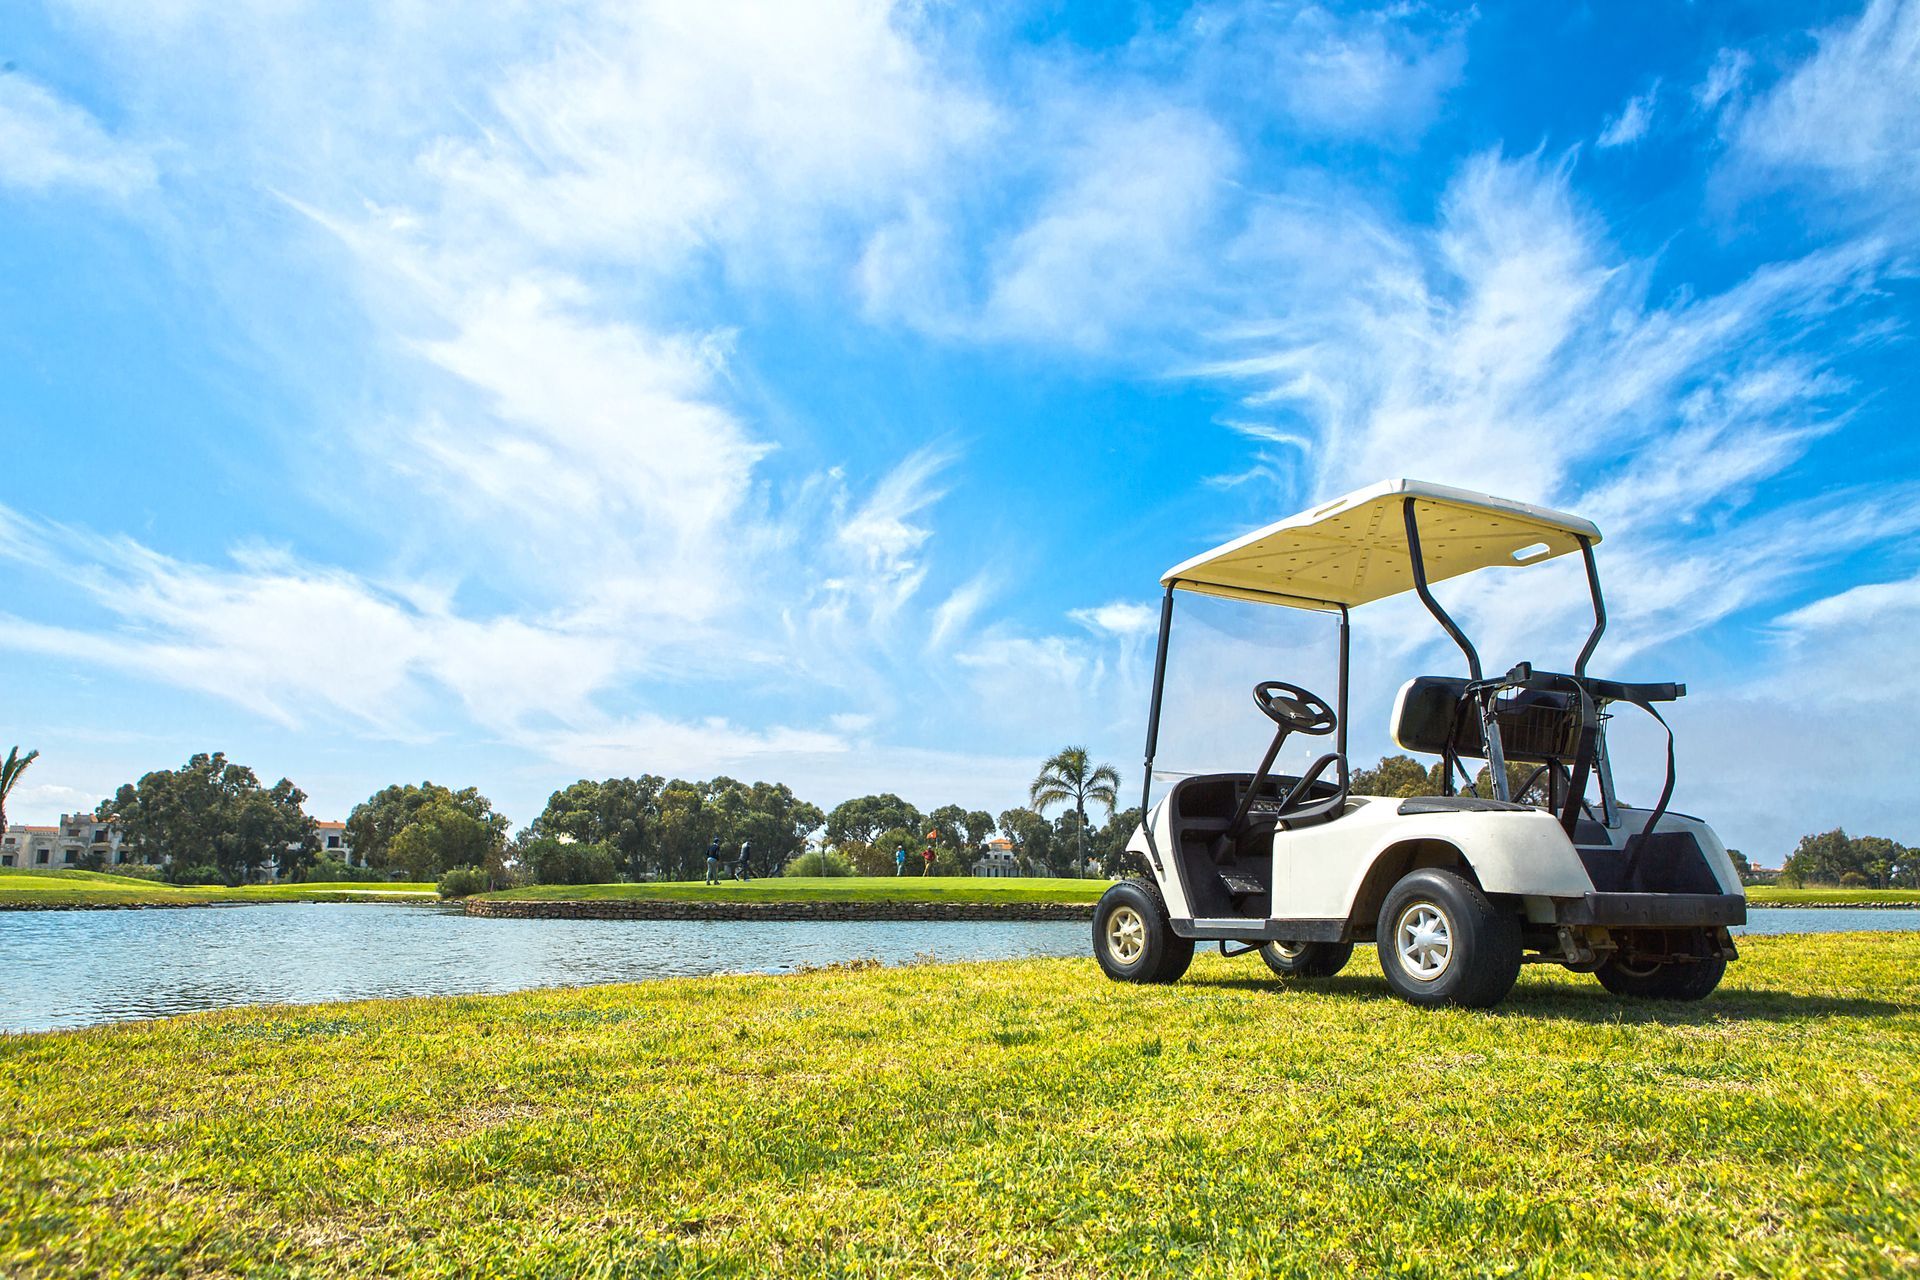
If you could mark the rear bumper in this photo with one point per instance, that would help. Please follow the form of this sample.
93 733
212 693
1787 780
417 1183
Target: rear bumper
1654 910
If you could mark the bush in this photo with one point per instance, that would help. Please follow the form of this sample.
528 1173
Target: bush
561 862
816 863
136 870
198 873
326 870
462 881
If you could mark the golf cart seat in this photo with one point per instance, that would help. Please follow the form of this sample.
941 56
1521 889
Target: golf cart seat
1433 715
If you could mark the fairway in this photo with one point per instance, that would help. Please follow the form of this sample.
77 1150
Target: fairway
824 889
28 888
1024 1118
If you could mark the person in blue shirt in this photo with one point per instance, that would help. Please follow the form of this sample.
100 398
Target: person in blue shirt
713 861
900 861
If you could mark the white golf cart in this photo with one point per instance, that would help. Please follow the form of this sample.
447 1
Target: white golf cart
1457 890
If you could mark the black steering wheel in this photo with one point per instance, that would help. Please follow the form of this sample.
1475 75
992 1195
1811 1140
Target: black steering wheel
1294 709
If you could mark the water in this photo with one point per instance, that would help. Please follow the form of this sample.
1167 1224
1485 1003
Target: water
78 968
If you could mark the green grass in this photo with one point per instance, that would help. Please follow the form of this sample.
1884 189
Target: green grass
1777 895
828 889
989 1120
34 887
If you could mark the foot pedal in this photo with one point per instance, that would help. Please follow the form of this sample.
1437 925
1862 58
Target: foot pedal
1240 886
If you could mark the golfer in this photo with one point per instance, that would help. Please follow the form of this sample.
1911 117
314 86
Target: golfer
713 861
900 861
745 870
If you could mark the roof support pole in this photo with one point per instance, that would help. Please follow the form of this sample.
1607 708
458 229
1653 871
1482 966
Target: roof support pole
1599 607
1340 698
1159 686
1489 723
1417 562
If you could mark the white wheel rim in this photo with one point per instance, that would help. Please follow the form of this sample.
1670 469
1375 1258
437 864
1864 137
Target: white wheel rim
1423 938
1288 950
1126 935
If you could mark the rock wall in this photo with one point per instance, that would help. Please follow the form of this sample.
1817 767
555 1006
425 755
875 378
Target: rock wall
635 909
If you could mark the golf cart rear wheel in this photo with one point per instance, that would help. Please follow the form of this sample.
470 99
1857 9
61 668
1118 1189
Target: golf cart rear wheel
1685 980
1442 943
1133 938
1307 959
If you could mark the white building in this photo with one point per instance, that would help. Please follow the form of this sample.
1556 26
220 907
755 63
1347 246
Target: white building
66 845
998 859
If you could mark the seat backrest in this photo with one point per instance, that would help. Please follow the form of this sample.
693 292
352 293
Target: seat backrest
1432 713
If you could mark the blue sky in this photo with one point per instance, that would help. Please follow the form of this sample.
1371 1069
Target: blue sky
815 393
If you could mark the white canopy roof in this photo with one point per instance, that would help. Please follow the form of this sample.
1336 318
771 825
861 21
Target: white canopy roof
1354 549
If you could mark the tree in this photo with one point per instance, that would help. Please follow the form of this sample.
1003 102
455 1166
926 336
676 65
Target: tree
212 812
859 820
375 823
621 813
1031 836
10 770
1069 776
1110 843
1834 857
556 861
1396 776
442 836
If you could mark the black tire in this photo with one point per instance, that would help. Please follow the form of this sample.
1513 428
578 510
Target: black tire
1687 980
1472 954
1306 959
1133 937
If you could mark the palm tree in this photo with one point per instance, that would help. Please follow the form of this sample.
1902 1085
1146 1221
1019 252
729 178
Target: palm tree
10 771
1068 776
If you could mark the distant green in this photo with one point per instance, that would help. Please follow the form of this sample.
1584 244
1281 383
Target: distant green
31 886
826 889
1782 896
986 1120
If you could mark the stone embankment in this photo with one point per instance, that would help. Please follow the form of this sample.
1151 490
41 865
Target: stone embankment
632 909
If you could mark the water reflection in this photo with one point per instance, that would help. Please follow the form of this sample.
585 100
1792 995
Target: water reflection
77 968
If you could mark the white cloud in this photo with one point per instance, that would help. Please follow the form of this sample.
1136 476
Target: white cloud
1725 78
1121 236
1632 123
48 143
1381 74
1120 618
1848 119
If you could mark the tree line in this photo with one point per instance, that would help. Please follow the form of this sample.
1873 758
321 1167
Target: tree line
212 819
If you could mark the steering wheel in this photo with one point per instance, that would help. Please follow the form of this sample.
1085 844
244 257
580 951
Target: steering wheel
1294 709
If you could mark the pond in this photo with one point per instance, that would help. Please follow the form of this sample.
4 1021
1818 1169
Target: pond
80 968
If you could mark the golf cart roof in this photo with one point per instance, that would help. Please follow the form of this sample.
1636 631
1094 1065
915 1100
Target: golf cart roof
1354 549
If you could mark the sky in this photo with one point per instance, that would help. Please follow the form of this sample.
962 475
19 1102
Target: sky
510 393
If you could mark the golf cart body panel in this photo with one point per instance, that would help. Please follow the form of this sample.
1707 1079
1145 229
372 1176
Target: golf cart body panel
1641 896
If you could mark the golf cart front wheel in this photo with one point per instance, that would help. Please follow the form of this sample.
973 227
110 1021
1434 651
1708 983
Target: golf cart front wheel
1684 980
1443 943
1306 959
1133 938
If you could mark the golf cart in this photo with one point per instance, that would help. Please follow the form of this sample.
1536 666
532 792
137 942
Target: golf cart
1457 890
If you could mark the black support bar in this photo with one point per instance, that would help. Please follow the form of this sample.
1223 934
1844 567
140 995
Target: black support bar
1153 713
1599 608
1419 565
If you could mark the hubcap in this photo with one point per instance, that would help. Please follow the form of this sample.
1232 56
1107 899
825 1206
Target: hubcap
1126 935
1424 939
1288 950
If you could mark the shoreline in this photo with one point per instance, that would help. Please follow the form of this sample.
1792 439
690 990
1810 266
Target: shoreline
644 909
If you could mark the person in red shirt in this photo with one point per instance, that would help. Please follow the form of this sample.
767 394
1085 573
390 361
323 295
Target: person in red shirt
928 855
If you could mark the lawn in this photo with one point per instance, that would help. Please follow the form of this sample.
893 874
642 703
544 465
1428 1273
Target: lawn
828 889
30 887
987 1120
1779 896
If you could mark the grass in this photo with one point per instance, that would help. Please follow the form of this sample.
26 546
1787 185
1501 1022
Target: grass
828 889
32 887
1777 895
990 1120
